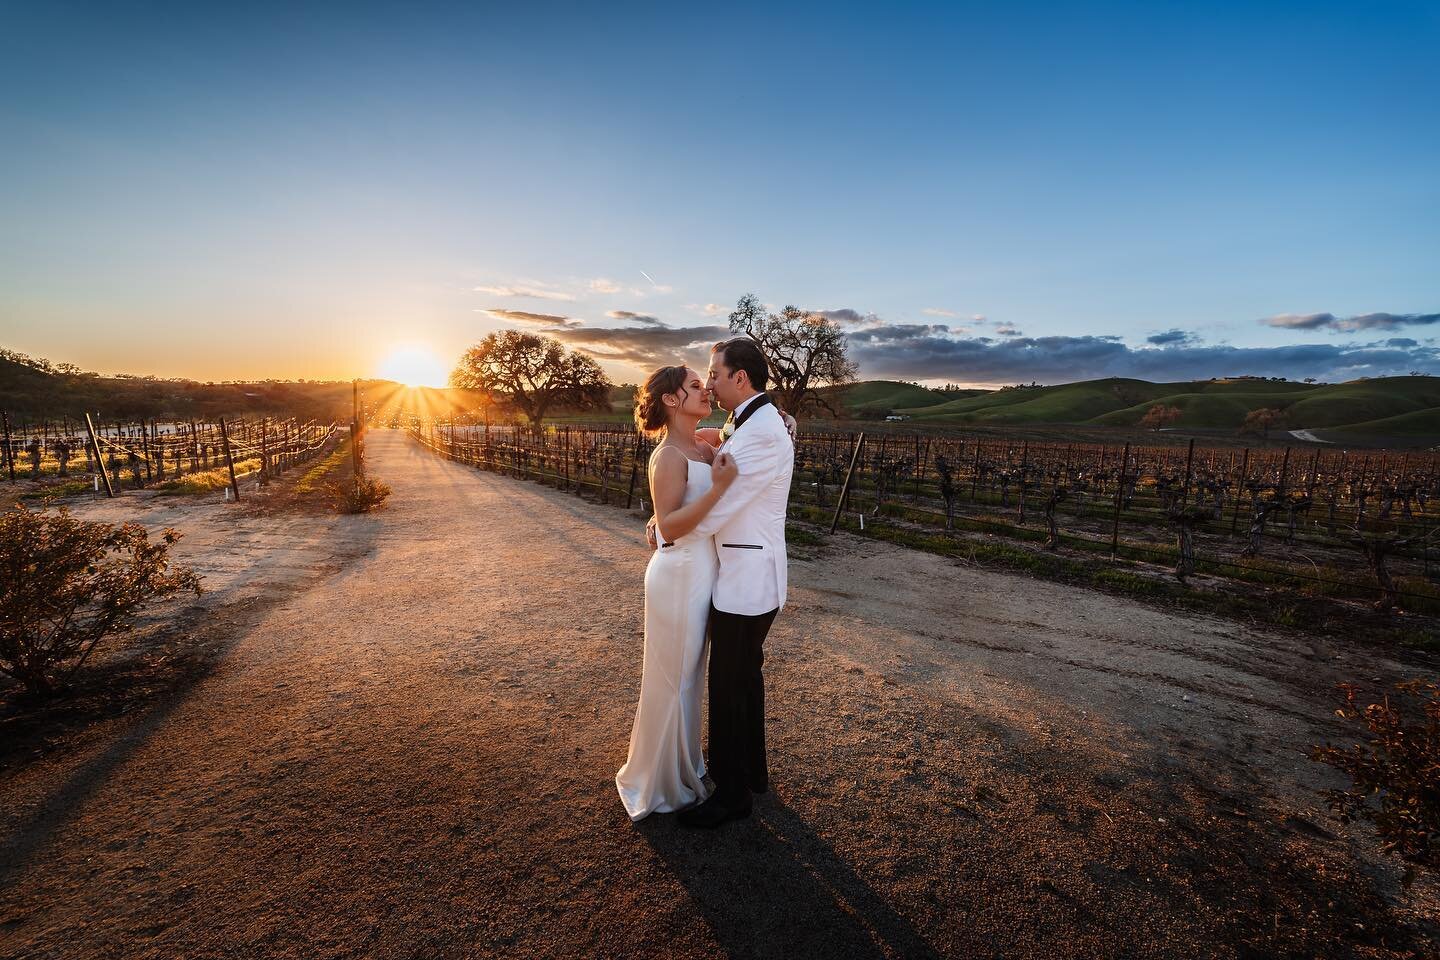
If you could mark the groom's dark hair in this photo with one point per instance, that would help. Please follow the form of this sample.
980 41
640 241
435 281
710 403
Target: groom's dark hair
743 353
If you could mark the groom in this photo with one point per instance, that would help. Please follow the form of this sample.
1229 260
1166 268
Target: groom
748 524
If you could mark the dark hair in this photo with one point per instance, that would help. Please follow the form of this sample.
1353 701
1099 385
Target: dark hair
650 414
743 353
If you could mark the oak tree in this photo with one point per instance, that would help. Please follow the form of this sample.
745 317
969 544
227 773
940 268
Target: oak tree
532 373
805 350
1160 416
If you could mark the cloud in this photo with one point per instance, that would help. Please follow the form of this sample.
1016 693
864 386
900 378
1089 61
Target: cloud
644 318
847 317
604 285
922 352
1363 321
1299 321
523 291
645 347
522 316
1172 337
937 312
1008 330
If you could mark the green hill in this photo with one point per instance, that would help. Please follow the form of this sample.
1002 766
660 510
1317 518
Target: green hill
1066 403
878 398
1418 424
1405 406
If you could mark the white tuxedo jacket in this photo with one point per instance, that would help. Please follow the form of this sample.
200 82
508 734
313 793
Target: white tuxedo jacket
748 522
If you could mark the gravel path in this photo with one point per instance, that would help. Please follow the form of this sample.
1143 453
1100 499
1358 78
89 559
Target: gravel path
404 748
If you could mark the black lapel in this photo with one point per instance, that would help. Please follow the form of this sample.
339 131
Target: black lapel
760 401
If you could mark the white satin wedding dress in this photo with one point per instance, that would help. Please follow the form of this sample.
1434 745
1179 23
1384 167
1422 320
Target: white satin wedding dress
665 768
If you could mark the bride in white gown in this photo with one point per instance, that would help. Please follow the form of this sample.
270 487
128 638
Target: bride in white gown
665 769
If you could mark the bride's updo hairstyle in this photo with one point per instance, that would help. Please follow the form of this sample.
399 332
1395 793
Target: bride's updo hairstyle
650 414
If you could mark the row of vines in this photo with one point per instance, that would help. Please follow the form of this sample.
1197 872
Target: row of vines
112 456
1332 523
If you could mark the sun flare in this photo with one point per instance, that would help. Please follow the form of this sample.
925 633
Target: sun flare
414 366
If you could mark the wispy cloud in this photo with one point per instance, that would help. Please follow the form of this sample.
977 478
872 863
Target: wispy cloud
645 347
1363 321
603 285
938 312
537 319
644 318
848 317
1008 330
1172 337
538 292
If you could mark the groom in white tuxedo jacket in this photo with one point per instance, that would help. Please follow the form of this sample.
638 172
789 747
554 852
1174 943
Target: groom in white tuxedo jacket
748 524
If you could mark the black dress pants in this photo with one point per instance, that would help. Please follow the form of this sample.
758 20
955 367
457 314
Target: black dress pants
737 704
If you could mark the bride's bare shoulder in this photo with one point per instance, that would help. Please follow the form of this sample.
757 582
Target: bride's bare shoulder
667 453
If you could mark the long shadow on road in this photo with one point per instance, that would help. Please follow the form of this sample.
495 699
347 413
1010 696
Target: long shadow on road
210 642
776 889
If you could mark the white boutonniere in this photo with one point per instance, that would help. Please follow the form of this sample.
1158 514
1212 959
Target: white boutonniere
727 430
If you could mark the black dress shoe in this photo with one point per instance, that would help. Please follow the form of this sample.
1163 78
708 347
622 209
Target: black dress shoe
714 812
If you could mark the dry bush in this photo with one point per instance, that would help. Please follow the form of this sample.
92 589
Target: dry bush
66 584
1395 777
360 494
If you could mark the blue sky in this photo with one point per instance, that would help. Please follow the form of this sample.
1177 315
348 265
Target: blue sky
229 191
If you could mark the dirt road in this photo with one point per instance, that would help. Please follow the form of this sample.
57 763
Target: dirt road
404 747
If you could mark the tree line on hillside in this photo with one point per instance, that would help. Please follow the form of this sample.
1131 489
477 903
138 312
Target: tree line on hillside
34 389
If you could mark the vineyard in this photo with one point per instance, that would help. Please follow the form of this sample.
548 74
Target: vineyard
1321 523
65 456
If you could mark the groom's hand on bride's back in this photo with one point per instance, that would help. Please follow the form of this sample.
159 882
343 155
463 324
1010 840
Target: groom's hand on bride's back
650 533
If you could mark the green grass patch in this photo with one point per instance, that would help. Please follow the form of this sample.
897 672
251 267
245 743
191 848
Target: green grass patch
1128 582
68 489
314 478
802 536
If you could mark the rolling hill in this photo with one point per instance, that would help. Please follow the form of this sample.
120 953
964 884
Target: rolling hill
1399 406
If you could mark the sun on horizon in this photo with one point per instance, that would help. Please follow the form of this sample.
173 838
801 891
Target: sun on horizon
414 365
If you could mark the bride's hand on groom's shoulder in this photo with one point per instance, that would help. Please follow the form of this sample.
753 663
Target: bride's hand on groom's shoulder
790 423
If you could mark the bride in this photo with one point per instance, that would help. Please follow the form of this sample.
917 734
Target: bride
665 768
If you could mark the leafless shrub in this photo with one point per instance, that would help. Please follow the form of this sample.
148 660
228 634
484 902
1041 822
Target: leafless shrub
1393 775
66 584
360 494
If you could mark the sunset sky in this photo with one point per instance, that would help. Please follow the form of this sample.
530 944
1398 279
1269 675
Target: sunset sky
979 193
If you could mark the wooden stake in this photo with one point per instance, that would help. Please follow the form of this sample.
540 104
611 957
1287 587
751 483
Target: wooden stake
99 457
229 461
1119 496
1189 463
845 488
10 451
